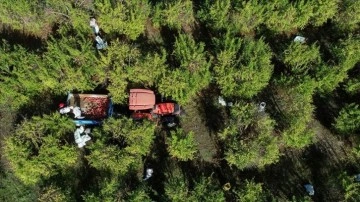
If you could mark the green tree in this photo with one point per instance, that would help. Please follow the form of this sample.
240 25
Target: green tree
39 148
148 69
301 60
53 194
284 16
125 17
356 151
138 195
193 75
71 62
350 187
114 62
294 100
249 138
204 189
181 145
287 16
135 141
123 63
243 67
105 189
176 186
348 120
12 189
19 77
177 14
38 17
251 192
247 16
322 11
215 14
353 86
114 188
346 57
348 16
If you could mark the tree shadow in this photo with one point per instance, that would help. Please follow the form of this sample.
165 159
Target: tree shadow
16 37
44 103
214 115
286 178
158 160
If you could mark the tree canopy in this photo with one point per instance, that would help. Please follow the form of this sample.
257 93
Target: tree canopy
268 93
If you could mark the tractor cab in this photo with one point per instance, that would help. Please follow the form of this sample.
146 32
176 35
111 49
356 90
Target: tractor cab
143 104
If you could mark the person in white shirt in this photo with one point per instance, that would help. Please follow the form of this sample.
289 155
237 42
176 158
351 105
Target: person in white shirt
81 140
75 110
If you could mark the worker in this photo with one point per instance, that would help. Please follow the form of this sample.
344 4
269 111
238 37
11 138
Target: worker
149 173
80 139
94 26
67 109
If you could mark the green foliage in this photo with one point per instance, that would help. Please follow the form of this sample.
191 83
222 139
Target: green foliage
177 14
113 189
115 61
249 138
111 158
251 192
19 15
176 187
136 141
127 17
242 116
182 85
348 17
70 62
248 16
192 76
350 187
346 56
287 16
215 13
138 137
279 16
38 17
322 11
53 194
107 190
123 63
38 149
301 59
190 54
222 48
243 67
181 145
19 75
348 120
295 103
148 69
138 195
353 86
347 52
204 189
11 189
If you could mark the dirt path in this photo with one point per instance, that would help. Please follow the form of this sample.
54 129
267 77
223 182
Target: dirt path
193 121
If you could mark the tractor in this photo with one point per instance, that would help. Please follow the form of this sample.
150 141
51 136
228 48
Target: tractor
143 104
